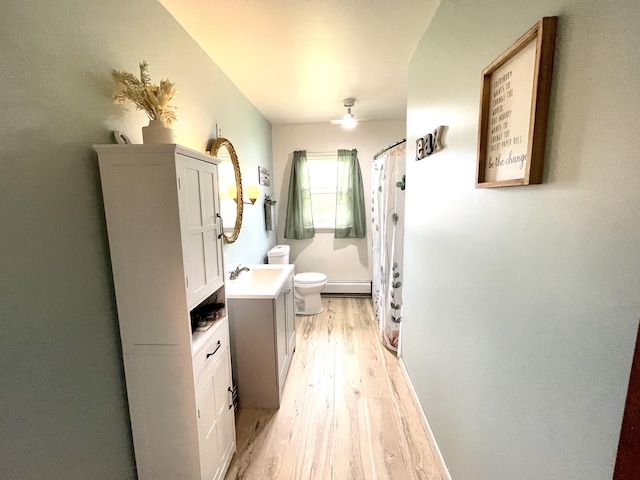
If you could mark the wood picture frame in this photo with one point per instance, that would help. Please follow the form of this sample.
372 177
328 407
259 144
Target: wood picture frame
514 110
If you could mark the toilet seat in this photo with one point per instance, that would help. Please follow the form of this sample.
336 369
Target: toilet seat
309 277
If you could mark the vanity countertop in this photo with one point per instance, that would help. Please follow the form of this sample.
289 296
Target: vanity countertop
261 281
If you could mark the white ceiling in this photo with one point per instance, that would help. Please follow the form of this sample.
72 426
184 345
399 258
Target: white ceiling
297 60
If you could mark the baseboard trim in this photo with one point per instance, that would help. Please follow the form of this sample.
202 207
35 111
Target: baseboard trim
425 424
360 288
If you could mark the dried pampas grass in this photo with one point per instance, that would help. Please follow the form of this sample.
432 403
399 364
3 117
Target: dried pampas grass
153 99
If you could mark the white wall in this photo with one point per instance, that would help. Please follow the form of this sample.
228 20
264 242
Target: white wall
340 259
521 304
63 403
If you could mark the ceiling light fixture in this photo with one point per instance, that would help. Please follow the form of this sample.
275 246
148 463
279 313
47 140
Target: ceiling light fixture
349 120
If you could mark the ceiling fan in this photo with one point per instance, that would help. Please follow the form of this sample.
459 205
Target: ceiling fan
349 120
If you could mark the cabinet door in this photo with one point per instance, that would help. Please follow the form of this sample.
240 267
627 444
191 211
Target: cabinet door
202 249
290 317
216 429
226 428
281 338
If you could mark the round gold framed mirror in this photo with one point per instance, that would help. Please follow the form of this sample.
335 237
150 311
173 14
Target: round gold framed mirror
230 188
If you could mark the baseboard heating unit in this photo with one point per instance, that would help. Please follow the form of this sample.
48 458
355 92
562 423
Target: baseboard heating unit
359 289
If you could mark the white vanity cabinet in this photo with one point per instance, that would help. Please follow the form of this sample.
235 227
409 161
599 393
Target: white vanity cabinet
262 342
161 208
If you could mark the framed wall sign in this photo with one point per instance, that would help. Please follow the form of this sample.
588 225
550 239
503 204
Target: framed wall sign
514 109
264 177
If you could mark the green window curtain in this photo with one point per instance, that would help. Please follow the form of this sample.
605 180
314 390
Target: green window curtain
299 222
350 210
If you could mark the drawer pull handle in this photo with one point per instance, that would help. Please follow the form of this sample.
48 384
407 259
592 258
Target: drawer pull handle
214 352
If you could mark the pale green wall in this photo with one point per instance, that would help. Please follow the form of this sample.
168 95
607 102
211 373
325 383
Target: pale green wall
521 304
63 407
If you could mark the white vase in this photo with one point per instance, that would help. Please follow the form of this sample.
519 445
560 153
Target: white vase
157 132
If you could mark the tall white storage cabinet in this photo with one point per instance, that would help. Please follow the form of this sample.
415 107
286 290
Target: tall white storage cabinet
161 206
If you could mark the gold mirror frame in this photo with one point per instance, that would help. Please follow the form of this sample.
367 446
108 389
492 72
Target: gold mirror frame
223 142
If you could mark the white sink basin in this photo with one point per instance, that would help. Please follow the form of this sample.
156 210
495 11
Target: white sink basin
263 277
261 281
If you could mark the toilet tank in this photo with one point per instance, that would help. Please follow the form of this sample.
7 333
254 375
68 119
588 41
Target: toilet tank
279 254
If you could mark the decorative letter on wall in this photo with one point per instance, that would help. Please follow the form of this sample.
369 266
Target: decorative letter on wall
429 144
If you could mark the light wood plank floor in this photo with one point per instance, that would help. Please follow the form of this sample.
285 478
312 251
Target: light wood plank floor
347 411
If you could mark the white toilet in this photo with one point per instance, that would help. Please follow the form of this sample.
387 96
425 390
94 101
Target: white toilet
307 286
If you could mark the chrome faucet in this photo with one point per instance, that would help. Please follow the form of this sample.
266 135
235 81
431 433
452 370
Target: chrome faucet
233 274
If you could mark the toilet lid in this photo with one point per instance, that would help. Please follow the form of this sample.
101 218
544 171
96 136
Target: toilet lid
309 277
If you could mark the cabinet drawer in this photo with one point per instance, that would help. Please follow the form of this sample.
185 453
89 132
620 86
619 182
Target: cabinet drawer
214 348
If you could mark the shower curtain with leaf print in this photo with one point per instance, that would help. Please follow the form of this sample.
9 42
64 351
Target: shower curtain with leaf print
387 198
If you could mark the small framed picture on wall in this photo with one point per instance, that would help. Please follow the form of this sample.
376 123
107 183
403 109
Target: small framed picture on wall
264 176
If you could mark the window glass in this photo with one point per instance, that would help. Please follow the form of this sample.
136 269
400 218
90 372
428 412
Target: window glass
323 174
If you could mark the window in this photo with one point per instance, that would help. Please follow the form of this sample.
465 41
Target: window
323 174
326 192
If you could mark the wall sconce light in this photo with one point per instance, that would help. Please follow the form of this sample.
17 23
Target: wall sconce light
251 191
